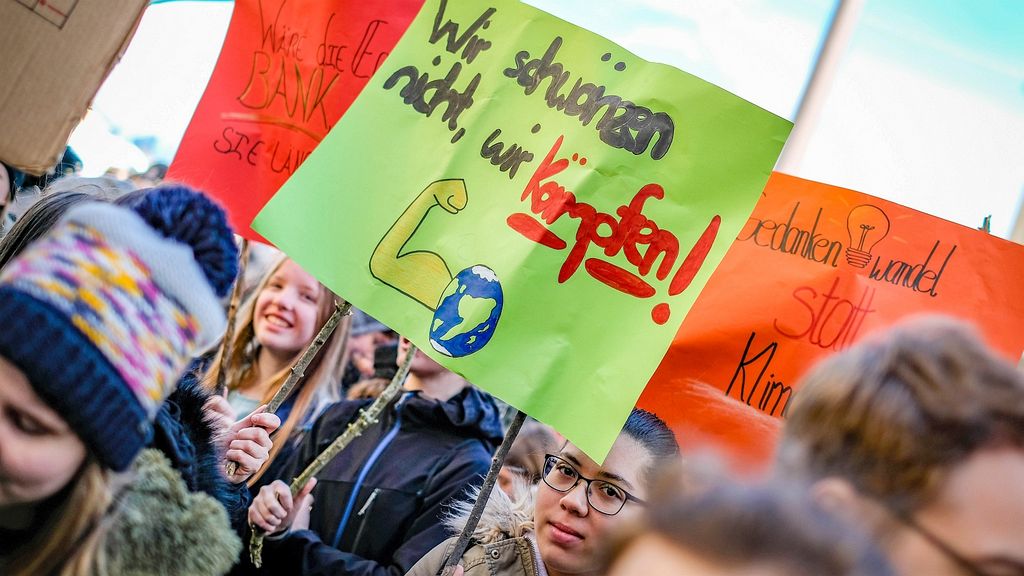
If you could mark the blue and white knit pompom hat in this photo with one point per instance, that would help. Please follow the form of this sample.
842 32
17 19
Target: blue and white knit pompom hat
114 304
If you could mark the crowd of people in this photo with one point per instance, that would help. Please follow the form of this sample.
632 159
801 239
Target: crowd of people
134 441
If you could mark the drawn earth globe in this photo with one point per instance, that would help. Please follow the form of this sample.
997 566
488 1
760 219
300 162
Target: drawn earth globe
467 312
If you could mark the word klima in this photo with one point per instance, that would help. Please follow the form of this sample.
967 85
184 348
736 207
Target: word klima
771 389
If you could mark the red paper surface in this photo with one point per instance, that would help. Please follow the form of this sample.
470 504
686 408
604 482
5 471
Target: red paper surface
287 72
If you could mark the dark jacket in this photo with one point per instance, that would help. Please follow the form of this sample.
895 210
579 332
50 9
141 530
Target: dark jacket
182 433
419 456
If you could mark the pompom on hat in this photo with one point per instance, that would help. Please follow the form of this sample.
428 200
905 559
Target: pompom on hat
114 304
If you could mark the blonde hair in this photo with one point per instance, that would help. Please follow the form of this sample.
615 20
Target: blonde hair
320 386
70 541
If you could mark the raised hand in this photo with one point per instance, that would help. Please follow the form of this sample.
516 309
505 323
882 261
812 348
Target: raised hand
247 443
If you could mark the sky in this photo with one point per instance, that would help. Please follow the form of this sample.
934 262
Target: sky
927 106
928 110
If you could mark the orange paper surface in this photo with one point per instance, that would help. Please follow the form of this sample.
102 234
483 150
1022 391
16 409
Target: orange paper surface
815 269
287 72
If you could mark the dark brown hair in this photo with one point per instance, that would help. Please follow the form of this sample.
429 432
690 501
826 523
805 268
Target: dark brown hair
56 200
37 221
893 416
526 456
770 526
655 436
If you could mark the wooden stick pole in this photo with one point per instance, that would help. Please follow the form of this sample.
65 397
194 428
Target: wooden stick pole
299 369
229 330
366 418
462 543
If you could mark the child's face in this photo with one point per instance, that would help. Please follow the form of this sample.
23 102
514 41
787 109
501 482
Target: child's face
39 453
285 317
570 533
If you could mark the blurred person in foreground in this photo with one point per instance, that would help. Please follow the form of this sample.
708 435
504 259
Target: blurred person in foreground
919 436
184 428
101 316
725 529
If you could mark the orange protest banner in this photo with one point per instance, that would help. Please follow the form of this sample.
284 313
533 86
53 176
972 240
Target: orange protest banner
287 72
814 270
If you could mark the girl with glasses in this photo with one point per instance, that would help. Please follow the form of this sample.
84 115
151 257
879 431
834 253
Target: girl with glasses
566 526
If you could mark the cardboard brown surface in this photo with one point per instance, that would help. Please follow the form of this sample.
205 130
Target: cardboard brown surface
54 54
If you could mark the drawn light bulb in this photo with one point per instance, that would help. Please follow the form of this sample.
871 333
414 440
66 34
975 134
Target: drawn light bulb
867 225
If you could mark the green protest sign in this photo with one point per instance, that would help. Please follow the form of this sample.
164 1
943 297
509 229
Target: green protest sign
531 204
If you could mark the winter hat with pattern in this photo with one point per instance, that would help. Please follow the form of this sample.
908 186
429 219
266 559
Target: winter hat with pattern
114 304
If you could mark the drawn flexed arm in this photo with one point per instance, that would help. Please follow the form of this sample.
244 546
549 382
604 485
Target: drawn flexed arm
421 274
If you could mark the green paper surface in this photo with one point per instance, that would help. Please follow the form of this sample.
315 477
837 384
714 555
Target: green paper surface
539 261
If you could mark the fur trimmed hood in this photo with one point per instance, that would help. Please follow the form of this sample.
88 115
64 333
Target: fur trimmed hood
185 436
504 517
161 528
503 543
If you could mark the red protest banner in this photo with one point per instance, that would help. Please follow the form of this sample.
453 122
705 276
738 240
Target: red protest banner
814 270
287 72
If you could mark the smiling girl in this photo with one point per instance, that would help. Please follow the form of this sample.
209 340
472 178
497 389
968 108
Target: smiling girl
277 324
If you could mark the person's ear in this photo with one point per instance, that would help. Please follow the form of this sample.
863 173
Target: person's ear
403 349
833 494
837 496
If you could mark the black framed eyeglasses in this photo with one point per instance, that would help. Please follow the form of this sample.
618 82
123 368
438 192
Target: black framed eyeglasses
999 567
603 496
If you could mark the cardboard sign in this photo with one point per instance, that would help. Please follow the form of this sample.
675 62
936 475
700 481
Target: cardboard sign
56 54
813 271
531 204
288 70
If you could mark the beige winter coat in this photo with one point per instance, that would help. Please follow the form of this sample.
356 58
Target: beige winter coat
502 543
